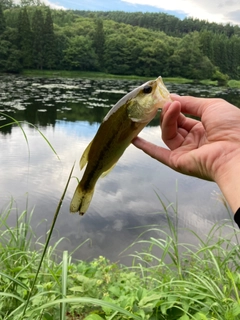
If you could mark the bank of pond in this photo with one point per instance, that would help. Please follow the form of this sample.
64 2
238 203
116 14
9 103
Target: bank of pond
167 279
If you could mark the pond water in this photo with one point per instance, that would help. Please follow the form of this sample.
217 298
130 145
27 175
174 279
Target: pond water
68 113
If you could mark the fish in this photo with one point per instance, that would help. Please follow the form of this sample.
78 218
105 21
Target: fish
119 127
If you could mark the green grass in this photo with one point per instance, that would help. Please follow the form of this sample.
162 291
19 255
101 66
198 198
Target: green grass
167 279
234 83
78 74
209 82
101 75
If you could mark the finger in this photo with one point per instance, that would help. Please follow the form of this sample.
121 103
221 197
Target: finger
171 113
170 120
192 105
159 153
171 135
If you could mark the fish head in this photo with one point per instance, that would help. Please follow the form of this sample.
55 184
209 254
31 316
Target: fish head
147 99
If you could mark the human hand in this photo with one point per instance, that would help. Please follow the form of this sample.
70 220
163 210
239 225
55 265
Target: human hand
208 149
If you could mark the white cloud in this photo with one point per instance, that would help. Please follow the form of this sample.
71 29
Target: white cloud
53 5
47 3
220 11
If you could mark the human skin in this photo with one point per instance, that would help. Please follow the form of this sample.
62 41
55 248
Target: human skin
208 148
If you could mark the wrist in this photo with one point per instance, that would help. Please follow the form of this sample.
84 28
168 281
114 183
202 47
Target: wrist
228 182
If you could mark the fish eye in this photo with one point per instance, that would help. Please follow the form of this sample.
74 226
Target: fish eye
147 89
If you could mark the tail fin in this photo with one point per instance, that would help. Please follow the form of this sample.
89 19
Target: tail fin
81 200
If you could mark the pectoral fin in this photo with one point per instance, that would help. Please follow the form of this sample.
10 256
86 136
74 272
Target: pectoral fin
84 158
81 200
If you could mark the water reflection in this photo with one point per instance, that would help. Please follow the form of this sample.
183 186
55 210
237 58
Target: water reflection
68 112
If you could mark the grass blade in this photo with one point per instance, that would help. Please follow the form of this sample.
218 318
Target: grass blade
93 301
48 240
64 284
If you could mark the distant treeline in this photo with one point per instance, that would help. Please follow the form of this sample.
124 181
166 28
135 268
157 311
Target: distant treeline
169 24
33 36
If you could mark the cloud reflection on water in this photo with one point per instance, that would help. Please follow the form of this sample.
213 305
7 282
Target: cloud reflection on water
123 200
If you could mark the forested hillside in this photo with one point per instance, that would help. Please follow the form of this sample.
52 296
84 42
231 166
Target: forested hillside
37 37
169 24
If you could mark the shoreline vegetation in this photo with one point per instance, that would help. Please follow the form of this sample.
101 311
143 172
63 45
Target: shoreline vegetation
101 75
167 279
96 75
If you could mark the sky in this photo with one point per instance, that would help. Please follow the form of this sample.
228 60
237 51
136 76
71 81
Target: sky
219 11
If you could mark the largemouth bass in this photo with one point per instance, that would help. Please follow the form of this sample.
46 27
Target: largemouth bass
122 123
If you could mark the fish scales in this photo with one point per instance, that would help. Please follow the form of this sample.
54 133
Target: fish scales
101 144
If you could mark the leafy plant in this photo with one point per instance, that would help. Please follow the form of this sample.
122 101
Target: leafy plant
201 282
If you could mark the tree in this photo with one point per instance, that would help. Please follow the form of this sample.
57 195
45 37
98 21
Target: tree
25 38
27 3
9 57
13 64
4 51
2 21
6 4
206 43
233 49
49 42
99 41
220 58
38 38
61 44
9 53
117 57
80 54
152 59
188 60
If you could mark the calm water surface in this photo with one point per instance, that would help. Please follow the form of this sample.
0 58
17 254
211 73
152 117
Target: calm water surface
68 113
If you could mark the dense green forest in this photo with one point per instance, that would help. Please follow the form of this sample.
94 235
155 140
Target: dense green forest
33 36
169 24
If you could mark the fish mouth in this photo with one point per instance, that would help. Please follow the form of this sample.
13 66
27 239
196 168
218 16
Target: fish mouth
162 91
